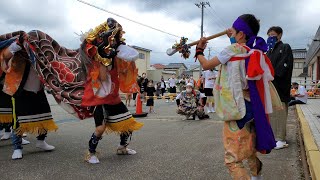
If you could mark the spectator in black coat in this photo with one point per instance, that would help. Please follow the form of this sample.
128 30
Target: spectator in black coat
281 58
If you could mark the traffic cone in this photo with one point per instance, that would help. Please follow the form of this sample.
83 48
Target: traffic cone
139 112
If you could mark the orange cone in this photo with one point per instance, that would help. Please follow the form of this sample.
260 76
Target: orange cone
139 112
138 105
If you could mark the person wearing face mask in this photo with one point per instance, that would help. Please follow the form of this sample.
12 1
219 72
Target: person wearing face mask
191 102
242 96
281 58
191 80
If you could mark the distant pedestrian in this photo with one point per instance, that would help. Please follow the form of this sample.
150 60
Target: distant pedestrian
173 86
209 80
150 90
163 86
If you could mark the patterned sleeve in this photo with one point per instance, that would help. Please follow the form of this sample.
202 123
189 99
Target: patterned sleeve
225 55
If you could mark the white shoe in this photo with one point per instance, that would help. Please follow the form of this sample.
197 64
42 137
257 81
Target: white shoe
208 111
212 110
24 135
6 136
43 145
281 144
259 177
25 142
92 158
123 150
17 154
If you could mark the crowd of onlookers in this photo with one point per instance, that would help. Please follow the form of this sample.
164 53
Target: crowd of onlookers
173 85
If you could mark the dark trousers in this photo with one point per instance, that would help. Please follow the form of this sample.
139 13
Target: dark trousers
163 90
134 96
294 102
6 127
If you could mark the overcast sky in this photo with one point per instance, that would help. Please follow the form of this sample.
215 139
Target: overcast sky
63 18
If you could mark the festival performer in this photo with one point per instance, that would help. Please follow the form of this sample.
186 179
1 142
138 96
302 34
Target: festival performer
191 102
86 81
30 109
6 114
112 115
243 87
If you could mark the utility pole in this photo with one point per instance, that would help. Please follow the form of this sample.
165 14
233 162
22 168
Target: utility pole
201 5
209 55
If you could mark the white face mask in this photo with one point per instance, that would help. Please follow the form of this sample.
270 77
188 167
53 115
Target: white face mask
189 90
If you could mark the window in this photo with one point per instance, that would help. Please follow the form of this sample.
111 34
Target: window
298 65
141 56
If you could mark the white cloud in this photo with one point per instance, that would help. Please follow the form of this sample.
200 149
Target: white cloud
61 19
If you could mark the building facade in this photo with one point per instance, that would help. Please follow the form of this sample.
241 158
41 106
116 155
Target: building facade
313 58
143 62
299 73
155 72
175 68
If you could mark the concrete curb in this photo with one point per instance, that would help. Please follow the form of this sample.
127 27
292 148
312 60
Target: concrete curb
312 151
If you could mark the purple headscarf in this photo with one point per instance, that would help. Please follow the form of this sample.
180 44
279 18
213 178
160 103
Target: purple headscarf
260 43
265 141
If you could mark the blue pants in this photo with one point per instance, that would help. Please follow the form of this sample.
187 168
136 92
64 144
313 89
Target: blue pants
17 140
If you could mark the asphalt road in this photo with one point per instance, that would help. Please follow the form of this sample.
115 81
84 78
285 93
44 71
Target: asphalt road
168 147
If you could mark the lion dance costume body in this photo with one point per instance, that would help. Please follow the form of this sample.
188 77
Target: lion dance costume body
85 81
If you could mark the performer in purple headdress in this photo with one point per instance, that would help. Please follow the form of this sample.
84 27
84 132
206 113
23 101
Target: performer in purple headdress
242 96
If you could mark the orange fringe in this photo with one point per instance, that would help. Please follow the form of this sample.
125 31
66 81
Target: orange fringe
5 118
37 128
128 126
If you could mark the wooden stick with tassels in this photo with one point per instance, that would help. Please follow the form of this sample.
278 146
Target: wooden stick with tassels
173 50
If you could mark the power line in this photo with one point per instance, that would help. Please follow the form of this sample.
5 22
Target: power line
156 4
128 19
165 10
214 13
214 20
